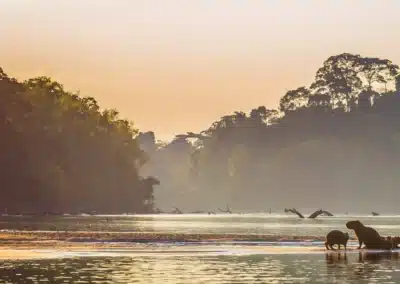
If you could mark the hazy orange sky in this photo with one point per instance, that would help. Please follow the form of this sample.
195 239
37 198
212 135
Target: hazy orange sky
178 65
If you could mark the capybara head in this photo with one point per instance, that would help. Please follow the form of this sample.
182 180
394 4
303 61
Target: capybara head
354 225
346 236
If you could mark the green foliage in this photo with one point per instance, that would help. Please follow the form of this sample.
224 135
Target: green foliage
61 153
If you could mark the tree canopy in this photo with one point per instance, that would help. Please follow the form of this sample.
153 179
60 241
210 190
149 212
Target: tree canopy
333 144
61 153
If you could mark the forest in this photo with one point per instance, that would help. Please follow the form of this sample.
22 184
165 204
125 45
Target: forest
61 154
334 144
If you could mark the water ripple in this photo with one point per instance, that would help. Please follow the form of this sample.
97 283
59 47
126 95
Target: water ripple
304 268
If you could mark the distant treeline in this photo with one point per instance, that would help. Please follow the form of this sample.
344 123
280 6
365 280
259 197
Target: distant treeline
333 145
60 153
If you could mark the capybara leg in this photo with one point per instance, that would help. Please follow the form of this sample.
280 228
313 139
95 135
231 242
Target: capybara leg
360 244
326 245
339 246
332 248
345 247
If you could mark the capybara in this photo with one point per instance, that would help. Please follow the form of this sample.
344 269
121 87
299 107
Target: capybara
368 236
336 237
395 241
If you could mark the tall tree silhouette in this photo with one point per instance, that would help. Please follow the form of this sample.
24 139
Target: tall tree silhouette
60 153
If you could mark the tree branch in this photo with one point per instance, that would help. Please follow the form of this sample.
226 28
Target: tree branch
294 211
319 212
226 211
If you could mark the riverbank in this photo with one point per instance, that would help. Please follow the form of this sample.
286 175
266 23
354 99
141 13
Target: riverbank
74 238
21 245
90 236
52 249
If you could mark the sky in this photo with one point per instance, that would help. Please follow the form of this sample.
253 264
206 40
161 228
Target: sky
179 65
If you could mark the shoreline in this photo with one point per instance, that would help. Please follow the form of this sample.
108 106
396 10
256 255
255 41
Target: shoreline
85 239
28 245
140 237
61 249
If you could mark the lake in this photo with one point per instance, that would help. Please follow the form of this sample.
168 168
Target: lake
208 262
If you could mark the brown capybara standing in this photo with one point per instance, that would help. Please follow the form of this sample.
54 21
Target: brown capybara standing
369 236
336 237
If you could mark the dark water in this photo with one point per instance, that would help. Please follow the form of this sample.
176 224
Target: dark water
277 268
269 224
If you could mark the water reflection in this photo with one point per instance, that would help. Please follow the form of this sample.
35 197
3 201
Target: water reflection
290 268
363 266
377 257
335 259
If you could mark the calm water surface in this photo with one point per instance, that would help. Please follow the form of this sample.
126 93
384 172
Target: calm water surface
278 268
228 223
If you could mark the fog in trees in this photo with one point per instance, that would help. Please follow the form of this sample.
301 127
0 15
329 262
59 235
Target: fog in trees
334 144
